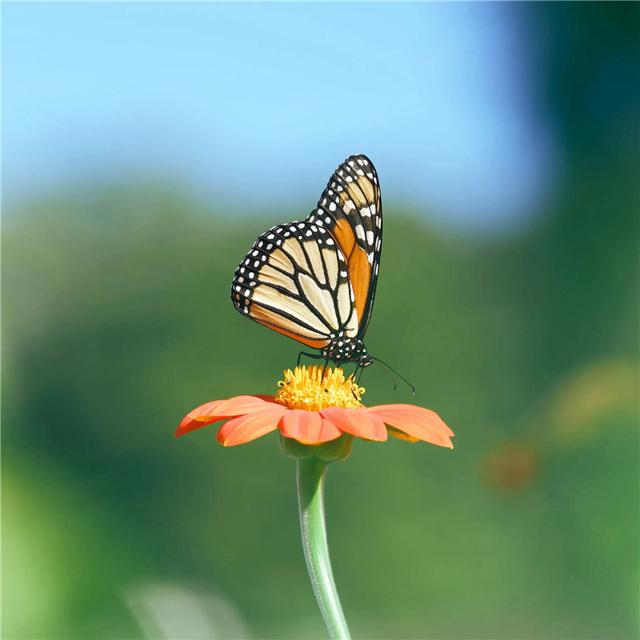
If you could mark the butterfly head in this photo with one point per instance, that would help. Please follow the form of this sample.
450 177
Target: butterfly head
343 349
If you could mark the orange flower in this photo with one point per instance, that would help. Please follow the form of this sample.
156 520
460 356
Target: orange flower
314 406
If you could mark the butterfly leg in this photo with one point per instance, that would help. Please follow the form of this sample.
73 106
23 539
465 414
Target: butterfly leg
353 377
356 376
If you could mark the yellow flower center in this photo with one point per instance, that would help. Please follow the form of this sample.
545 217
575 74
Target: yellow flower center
316 388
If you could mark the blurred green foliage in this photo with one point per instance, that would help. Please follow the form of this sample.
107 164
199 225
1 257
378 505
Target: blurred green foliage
117 321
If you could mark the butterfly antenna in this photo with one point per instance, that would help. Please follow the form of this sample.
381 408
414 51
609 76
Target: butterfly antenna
395 385
394 382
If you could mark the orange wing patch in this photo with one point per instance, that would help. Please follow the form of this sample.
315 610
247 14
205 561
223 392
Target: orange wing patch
359 267
314 344
343 233
360 276
258 314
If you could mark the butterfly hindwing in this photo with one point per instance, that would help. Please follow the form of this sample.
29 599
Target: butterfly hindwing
350 208
295 280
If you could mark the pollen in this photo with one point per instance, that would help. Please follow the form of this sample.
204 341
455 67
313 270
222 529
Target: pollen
315 388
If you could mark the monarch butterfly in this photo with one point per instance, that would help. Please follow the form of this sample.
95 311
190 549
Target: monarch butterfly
315 280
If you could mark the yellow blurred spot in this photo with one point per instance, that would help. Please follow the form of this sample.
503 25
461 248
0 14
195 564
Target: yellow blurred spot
589 395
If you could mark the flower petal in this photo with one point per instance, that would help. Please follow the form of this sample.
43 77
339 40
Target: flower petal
307 427
221 410
265 397
401 435
416 422
249 427
357 422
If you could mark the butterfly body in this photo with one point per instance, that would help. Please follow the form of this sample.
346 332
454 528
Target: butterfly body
342 349
314 280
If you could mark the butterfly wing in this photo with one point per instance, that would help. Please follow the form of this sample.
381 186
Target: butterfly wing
350 209
295 280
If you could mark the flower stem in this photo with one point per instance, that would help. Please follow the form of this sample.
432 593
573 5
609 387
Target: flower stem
311 474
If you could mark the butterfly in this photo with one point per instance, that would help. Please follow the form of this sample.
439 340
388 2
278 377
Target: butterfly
315 280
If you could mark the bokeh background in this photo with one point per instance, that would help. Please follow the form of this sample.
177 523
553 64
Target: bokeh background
145 146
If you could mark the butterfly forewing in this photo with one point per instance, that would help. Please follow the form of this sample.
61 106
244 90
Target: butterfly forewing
350 208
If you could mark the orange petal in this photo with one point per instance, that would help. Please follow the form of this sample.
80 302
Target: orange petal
249 427
221 410
264 397
416 422
307 427
401 435
357 422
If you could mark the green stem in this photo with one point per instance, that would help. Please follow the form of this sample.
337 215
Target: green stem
311 474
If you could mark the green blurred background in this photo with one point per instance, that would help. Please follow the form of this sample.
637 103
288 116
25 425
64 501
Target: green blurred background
523 336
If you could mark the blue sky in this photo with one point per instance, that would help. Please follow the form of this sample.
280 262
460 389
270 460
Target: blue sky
257 103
